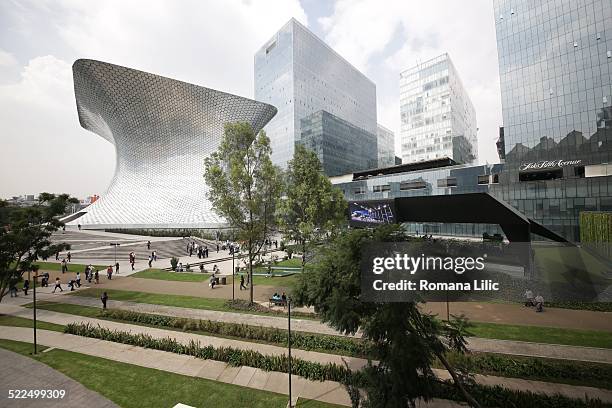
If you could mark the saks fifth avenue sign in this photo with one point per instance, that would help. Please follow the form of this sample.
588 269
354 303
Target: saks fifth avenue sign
548 164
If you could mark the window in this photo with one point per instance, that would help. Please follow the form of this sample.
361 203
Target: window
484 179
495 178
447 182
359 190
381 188
541 175
412 185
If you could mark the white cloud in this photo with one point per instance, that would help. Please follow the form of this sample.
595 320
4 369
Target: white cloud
209 43
363 32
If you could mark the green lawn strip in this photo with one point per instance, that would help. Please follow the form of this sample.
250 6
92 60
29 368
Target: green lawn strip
72 267
308 403
539 334
319 342
192 302
124 385
20 346
14 321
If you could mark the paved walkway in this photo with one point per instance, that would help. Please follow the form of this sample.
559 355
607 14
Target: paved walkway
18 372
327 391
476 344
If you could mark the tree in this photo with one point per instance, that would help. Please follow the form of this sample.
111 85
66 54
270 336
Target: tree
405 340
24 237
311 207
244 186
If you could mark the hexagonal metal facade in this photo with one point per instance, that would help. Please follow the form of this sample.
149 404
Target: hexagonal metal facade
162 130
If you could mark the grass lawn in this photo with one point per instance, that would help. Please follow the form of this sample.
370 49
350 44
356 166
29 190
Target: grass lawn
6 320
174 300
123 383
78 310
160 274
72 267
537 334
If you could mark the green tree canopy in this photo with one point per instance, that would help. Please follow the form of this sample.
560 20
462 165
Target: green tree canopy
311 207
25 237
406 340
244 186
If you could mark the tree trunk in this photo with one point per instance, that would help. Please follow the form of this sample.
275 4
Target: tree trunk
470 400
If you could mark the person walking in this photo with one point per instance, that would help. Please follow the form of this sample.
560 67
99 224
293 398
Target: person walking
97 277
57 256
217 248
13 289
78 279
26 286
148 245
150 261
109 272
64 265
117 268
69 256
58 285
104 299
242 283
79 225
155 256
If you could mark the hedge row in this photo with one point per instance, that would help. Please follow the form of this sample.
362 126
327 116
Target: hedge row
229 355
572 372
488 396
304 341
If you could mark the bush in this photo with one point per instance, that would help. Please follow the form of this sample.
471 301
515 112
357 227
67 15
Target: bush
304 341
244 305
174 262
229 355
593 306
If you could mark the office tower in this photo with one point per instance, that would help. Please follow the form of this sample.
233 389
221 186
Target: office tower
341 147
386 146
299 74
555 65
437 116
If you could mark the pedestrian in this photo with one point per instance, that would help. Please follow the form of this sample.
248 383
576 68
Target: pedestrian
104 299
206 252
79 225
58 285
109 272
71 284
213 281
155 256
13 289
539 303
217 248
117 268
64 265
69 256
57 256
242 283
86 272
97 277
190 250
26 286
78 279
45 280
148 245
150 261
202 268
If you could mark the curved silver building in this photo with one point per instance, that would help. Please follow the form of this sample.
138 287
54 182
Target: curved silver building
162 130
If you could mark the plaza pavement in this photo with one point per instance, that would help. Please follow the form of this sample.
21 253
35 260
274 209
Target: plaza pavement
19 372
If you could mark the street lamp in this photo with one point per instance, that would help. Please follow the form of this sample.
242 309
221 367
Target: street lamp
34 307
233 272
289 346
115 244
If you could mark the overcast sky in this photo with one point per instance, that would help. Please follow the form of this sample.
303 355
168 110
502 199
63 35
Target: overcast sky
209 43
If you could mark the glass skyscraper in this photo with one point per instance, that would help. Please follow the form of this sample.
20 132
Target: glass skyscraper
299 74
386 146
437 116
341 147
555 64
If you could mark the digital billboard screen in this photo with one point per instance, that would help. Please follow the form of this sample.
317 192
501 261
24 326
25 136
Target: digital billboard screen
371 213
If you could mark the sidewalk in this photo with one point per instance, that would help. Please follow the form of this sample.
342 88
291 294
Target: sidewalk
17 371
